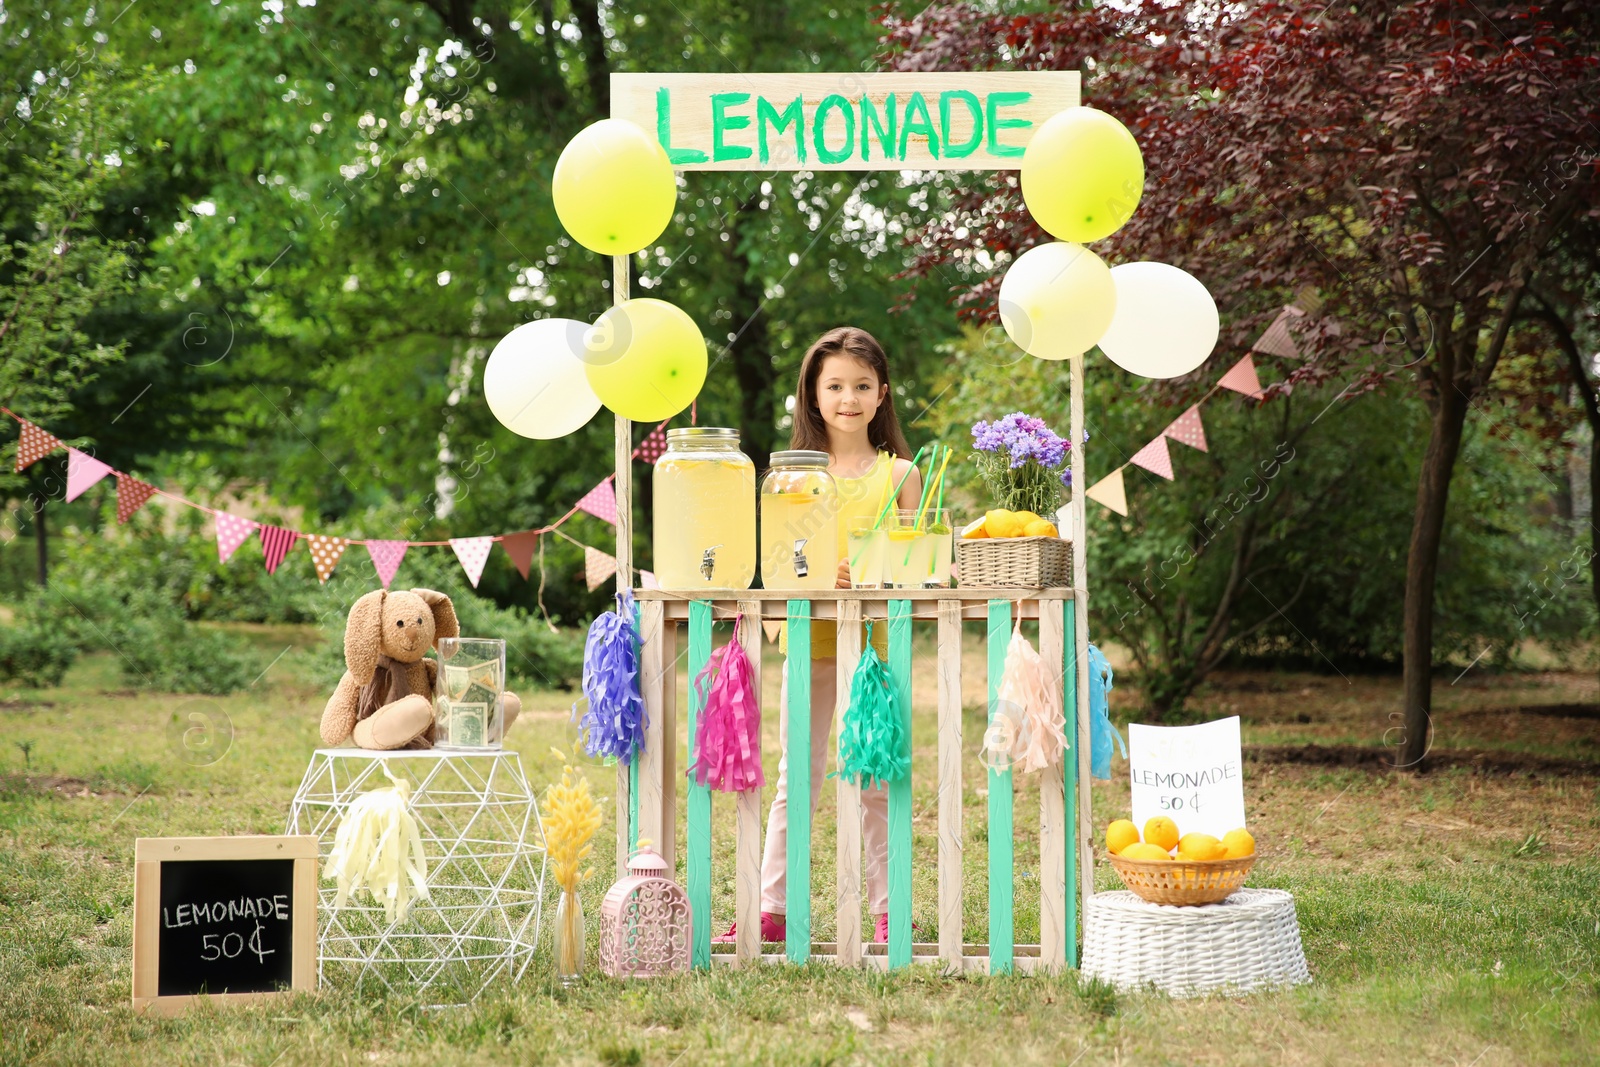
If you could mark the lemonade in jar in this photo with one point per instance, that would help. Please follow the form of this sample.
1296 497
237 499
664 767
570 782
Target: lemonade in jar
705 511
799 523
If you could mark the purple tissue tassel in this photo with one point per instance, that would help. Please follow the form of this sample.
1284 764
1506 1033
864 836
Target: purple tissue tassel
614 725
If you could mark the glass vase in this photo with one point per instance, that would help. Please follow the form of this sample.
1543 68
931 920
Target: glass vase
469 693
569 938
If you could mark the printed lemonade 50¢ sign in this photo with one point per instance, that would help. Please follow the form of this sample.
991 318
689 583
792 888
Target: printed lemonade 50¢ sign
921 121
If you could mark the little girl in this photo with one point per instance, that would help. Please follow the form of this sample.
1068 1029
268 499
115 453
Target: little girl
842 407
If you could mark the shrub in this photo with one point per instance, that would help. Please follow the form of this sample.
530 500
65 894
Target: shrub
35 656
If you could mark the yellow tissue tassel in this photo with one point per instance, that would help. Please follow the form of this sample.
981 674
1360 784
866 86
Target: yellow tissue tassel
379 848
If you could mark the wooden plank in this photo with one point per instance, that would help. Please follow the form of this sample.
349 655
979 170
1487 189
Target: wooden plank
1053 915
699 837
950 752
1077 509
900 789
747 807
797 931
727 599
303 930
666 837
925 120
847 904
622 440
1001 852
624 817
1069 791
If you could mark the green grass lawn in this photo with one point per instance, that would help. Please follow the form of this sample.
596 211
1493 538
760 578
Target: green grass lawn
1451 917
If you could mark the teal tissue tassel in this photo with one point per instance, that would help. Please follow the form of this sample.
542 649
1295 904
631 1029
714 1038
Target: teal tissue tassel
874 748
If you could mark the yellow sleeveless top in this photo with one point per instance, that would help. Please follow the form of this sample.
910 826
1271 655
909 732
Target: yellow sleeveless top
859 498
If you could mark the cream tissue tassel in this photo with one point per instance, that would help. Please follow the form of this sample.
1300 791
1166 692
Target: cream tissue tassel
379 847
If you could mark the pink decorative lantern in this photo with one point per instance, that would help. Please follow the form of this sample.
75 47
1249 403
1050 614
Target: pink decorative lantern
644 921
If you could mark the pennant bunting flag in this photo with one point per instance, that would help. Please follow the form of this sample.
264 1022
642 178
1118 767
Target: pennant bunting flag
1154 458
1241 378
650 449
231 533
325 553
473 552
386 557
1186 429
131 495
1278 341
597 567
1109 492
275 544
601 502
83 470
647 580
520 546
34 445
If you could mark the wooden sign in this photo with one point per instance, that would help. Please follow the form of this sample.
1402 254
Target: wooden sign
891 121
225 918
1191 774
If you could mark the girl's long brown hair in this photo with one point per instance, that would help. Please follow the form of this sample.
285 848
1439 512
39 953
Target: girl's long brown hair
810 432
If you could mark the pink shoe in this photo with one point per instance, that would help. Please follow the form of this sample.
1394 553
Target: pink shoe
881 937
772 929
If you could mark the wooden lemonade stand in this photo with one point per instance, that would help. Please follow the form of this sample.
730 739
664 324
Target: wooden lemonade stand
973 122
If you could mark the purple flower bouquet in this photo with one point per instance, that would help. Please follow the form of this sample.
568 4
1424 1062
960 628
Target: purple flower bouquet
1023 462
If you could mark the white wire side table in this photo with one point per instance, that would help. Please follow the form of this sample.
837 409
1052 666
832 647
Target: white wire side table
486 864
1248 943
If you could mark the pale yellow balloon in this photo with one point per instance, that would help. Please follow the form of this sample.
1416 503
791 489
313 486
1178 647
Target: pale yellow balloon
1056 300
614 188
646 359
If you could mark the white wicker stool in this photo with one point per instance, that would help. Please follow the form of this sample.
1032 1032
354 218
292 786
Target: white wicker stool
1247 943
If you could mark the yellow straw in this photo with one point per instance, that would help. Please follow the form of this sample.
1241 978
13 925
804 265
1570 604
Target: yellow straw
939 478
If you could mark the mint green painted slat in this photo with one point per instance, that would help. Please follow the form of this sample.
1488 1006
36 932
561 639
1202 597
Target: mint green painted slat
1069 771
900 791
633 764
1002 943
797 933
699 843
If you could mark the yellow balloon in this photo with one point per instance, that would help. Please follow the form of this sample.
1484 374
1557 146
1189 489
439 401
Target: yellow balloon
645 359
1056 300
1082 175
614 188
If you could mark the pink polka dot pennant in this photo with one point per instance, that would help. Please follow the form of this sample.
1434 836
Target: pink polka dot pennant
232 531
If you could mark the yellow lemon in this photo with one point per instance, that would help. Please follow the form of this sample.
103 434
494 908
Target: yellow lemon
974 530
1199 847
1002 523
1148 853
1238 843
1161 831
1040 528
1026 517
1120 834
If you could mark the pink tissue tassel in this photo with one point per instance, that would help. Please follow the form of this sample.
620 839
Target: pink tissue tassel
1026 684
728 741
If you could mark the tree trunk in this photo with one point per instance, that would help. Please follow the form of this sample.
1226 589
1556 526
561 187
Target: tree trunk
41 547
751 347
1422 566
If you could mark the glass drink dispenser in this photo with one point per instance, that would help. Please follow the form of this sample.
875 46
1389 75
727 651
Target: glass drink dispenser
799 523
705 511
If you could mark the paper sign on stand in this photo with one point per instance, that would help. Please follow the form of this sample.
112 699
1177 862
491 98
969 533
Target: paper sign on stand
1190 774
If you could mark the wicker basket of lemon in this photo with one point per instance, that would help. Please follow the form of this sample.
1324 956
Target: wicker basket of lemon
1013 548
1204 870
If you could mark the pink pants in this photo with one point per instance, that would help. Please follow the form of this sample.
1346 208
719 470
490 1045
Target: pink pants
874 802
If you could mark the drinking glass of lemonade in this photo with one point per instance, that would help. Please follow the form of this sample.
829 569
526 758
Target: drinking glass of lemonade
918 549
868 545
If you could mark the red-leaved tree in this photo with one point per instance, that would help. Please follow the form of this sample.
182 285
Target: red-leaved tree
1425 167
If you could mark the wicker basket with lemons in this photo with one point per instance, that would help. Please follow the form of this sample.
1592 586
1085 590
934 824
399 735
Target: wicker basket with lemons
1023 464
1166 867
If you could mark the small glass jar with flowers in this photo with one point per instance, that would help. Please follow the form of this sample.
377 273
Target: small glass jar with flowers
1023 464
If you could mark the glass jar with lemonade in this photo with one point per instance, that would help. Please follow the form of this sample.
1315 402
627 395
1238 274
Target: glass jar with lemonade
705 511
799 523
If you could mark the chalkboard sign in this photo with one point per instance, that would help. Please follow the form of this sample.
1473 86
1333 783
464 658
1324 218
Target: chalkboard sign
226 918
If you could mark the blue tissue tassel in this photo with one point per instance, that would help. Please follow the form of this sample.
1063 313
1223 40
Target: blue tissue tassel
1100 729
872 739
614 725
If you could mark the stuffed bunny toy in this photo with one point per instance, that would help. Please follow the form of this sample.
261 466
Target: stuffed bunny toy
385 698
